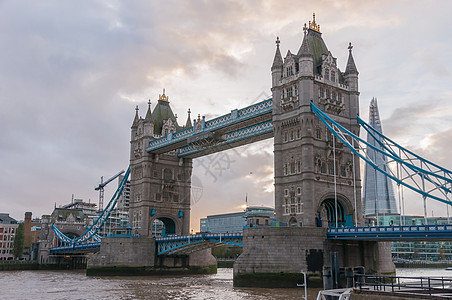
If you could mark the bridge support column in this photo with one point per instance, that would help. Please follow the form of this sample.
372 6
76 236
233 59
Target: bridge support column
275 257
137 256
203 262
123 256
375 257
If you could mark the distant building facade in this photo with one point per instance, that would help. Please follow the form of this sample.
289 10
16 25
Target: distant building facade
235 222
31 234
420 250
8 227
124 198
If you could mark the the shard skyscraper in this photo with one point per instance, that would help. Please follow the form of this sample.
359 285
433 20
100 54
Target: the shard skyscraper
378 190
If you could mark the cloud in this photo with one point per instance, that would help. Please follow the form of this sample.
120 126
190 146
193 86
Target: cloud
71 74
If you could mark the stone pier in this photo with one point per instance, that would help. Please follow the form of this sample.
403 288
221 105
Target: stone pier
276 256
137 256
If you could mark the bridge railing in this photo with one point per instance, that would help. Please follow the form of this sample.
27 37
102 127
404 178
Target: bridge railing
199 236
75 247
407 228
414 285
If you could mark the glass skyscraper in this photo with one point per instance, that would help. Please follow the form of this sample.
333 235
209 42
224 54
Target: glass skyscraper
378 190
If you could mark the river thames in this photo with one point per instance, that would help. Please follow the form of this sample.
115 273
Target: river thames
75 285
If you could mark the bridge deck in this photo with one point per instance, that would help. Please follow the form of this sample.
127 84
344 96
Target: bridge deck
393 233
174 245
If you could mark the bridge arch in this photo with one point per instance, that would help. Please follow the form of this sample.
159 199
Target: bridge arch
164 226
344 211
293 222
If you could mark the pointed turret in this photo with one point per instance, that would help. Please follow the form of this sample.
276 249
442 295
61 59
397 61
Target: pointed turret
305 50
137 118
277 61
148 117
351 67
351 73
306 56
188 123
148 123
277 66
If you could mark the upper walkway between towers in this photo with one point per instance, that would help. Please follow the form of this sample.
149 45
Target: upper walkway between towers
240 126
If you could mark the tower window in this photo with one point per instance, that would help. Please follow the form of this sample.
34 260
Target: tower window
289 92
327 74
289 71
333 76
318 133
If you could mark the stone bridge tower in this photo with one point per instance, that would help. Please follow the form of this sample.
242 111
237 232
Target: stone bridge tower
306 167
159 184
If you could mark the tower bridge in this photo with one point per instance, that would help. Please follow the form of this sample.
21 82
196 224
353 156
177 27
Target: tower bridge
312 117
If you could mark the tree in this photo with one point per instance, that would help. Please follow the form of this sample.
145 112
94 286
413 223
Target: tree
18 249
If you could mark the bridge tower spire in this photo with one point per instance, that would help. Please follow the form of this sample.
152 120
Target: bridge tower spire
159 183
308 163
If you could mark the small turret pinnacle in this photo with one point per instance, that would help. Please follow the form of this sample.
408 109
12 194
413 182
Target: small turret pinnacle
305 50
148 117
351 67
163 97
188 123
313 25
277 61
135 120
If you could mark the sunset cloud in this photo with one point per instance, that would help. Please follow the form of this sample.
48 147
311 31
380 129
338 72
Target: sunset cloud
71 74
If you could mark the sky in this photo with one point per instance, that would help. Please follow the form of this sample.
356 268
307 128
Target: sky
72 72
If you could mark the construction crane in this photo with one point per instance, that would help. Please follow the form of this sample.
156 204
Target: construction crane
100 188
